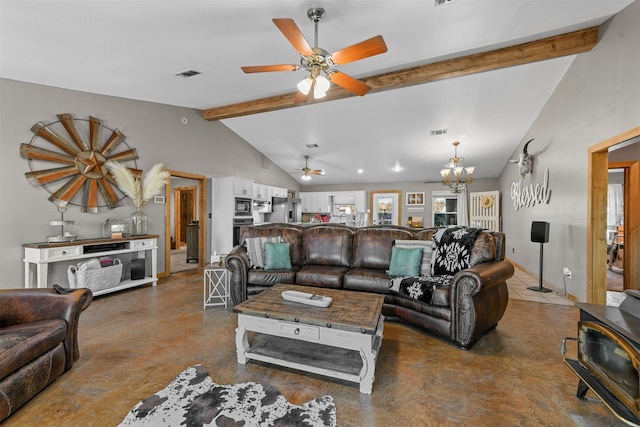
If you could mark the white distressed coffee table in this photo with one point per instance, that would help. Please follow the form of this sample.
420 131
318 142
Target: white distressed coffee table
340 341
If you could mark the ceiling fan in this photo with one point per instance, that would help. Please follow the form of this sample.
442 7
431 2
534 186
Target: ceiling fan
318 61
307 172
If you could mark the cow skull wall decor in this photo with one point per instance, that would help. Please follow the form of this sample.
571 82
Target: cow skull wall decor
524 161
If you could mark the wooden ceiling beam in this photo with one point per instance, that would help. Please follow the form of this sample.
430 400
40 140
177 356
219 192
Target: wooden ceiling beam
540 50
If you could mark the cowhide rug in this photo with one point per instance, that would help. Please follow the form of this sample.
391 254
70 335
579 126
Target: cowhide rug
193 399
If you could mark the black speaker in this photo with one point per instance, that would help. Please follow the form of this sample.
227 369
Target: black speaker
539 232
138 269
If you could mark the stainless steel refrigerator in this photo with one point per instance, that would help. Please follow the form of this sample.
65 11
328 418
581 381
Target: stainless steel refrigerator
285 209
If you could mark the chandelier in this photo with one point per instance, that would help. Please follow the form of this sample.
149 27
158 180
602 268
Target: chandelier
454 176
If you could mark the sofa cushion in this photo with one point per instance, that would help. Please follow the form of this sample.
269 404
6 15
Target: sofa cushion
276 256
289 233
325 276
405 261
255 249
366 279
372 246
452 251
427 252
263 277
21 343
328 245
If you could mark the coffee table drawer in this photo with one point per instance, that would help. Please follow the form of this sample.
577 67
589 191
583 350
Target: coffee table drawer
299 331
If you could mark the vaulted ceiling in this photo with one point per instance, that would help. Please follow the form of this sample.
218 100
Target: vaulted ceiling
482 70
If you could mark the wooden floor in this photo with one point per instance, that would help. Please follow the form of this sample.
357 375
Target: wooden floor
133 343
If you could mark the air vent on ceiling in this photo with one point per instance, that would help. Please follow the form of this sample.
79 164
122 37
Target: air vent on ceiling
438 132
187 73
441 2
312 145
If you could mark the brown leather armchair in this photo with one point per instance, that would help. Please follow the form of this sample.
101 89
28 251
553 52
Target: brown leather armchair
38 340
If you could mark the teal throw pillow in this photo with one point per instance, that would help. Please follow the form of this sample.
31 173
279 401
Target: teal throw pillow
276 256
405 262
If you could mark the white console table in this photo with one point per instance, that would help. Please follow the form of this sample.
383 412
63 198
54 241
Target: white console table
43 254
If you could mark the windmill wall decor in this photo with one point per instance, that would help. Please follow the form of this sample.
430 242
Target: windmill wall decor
67 158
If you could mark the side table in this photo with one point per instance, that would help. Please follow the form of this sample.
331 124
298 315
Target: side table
216 285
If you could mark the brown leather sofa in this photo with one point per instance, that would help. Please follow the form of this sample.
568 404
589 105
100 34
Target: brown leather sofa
38 341
357 259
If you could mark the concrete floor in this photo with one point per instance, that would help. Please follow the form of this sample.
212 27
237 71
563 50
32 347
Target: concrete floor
134 342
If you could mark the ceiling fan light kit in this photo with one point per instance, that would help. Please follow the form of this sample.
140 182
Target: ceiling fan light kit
307 171
454 176
318 61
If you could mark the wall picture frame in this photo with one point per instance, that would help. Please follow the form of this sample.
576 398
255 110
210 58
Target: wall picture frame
415 199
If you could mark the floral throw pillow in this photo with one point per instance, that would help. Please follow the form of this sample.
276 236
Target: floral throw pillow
452 251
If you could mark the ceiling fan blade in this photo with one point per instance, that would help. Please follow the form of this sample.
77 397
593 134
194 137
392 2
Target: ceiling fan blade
364 49
291 31
268 68
317 172
349 83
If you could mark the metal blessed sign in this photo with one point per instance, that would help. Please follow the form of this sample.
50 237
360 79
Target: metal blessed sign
527 196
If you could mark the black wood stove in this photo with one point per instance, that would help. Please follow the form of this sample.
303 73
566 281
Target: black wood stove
608 360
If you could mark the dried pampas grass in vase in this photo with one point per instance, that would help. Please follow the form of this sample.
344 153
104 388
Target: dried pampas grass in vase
140 189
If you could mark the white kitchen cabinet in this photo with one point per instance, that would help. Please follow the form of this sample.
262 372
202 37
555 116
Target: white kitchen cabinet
315 202
260 192
242 187
306 201
279 192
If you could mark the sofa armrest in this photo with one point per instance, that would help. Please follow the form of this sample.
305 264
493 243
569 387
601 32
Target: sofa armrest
19 306
479 298
237 262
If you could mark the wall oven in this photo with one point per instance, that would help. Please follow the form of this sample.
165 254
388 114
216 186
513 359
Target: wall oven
238 223
242 207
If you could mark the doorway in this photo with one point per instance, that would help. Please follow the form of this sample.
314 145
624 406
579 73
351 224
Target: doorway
386 207
615 228
184 214
185 221
597 217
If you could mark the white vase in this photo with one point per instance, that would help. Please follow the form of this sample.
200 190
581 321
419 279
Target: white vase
140 221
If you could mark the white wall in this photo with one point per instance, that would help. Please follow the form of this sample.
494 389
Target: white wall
598 98
155 130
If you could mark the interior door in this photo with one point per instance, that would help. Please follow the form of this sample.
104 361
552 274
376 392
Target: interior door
386 208
185 211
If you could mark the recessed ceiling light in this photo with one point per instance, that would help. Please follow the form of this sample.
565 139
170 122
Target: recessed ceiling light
187 73
360 171
397 168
